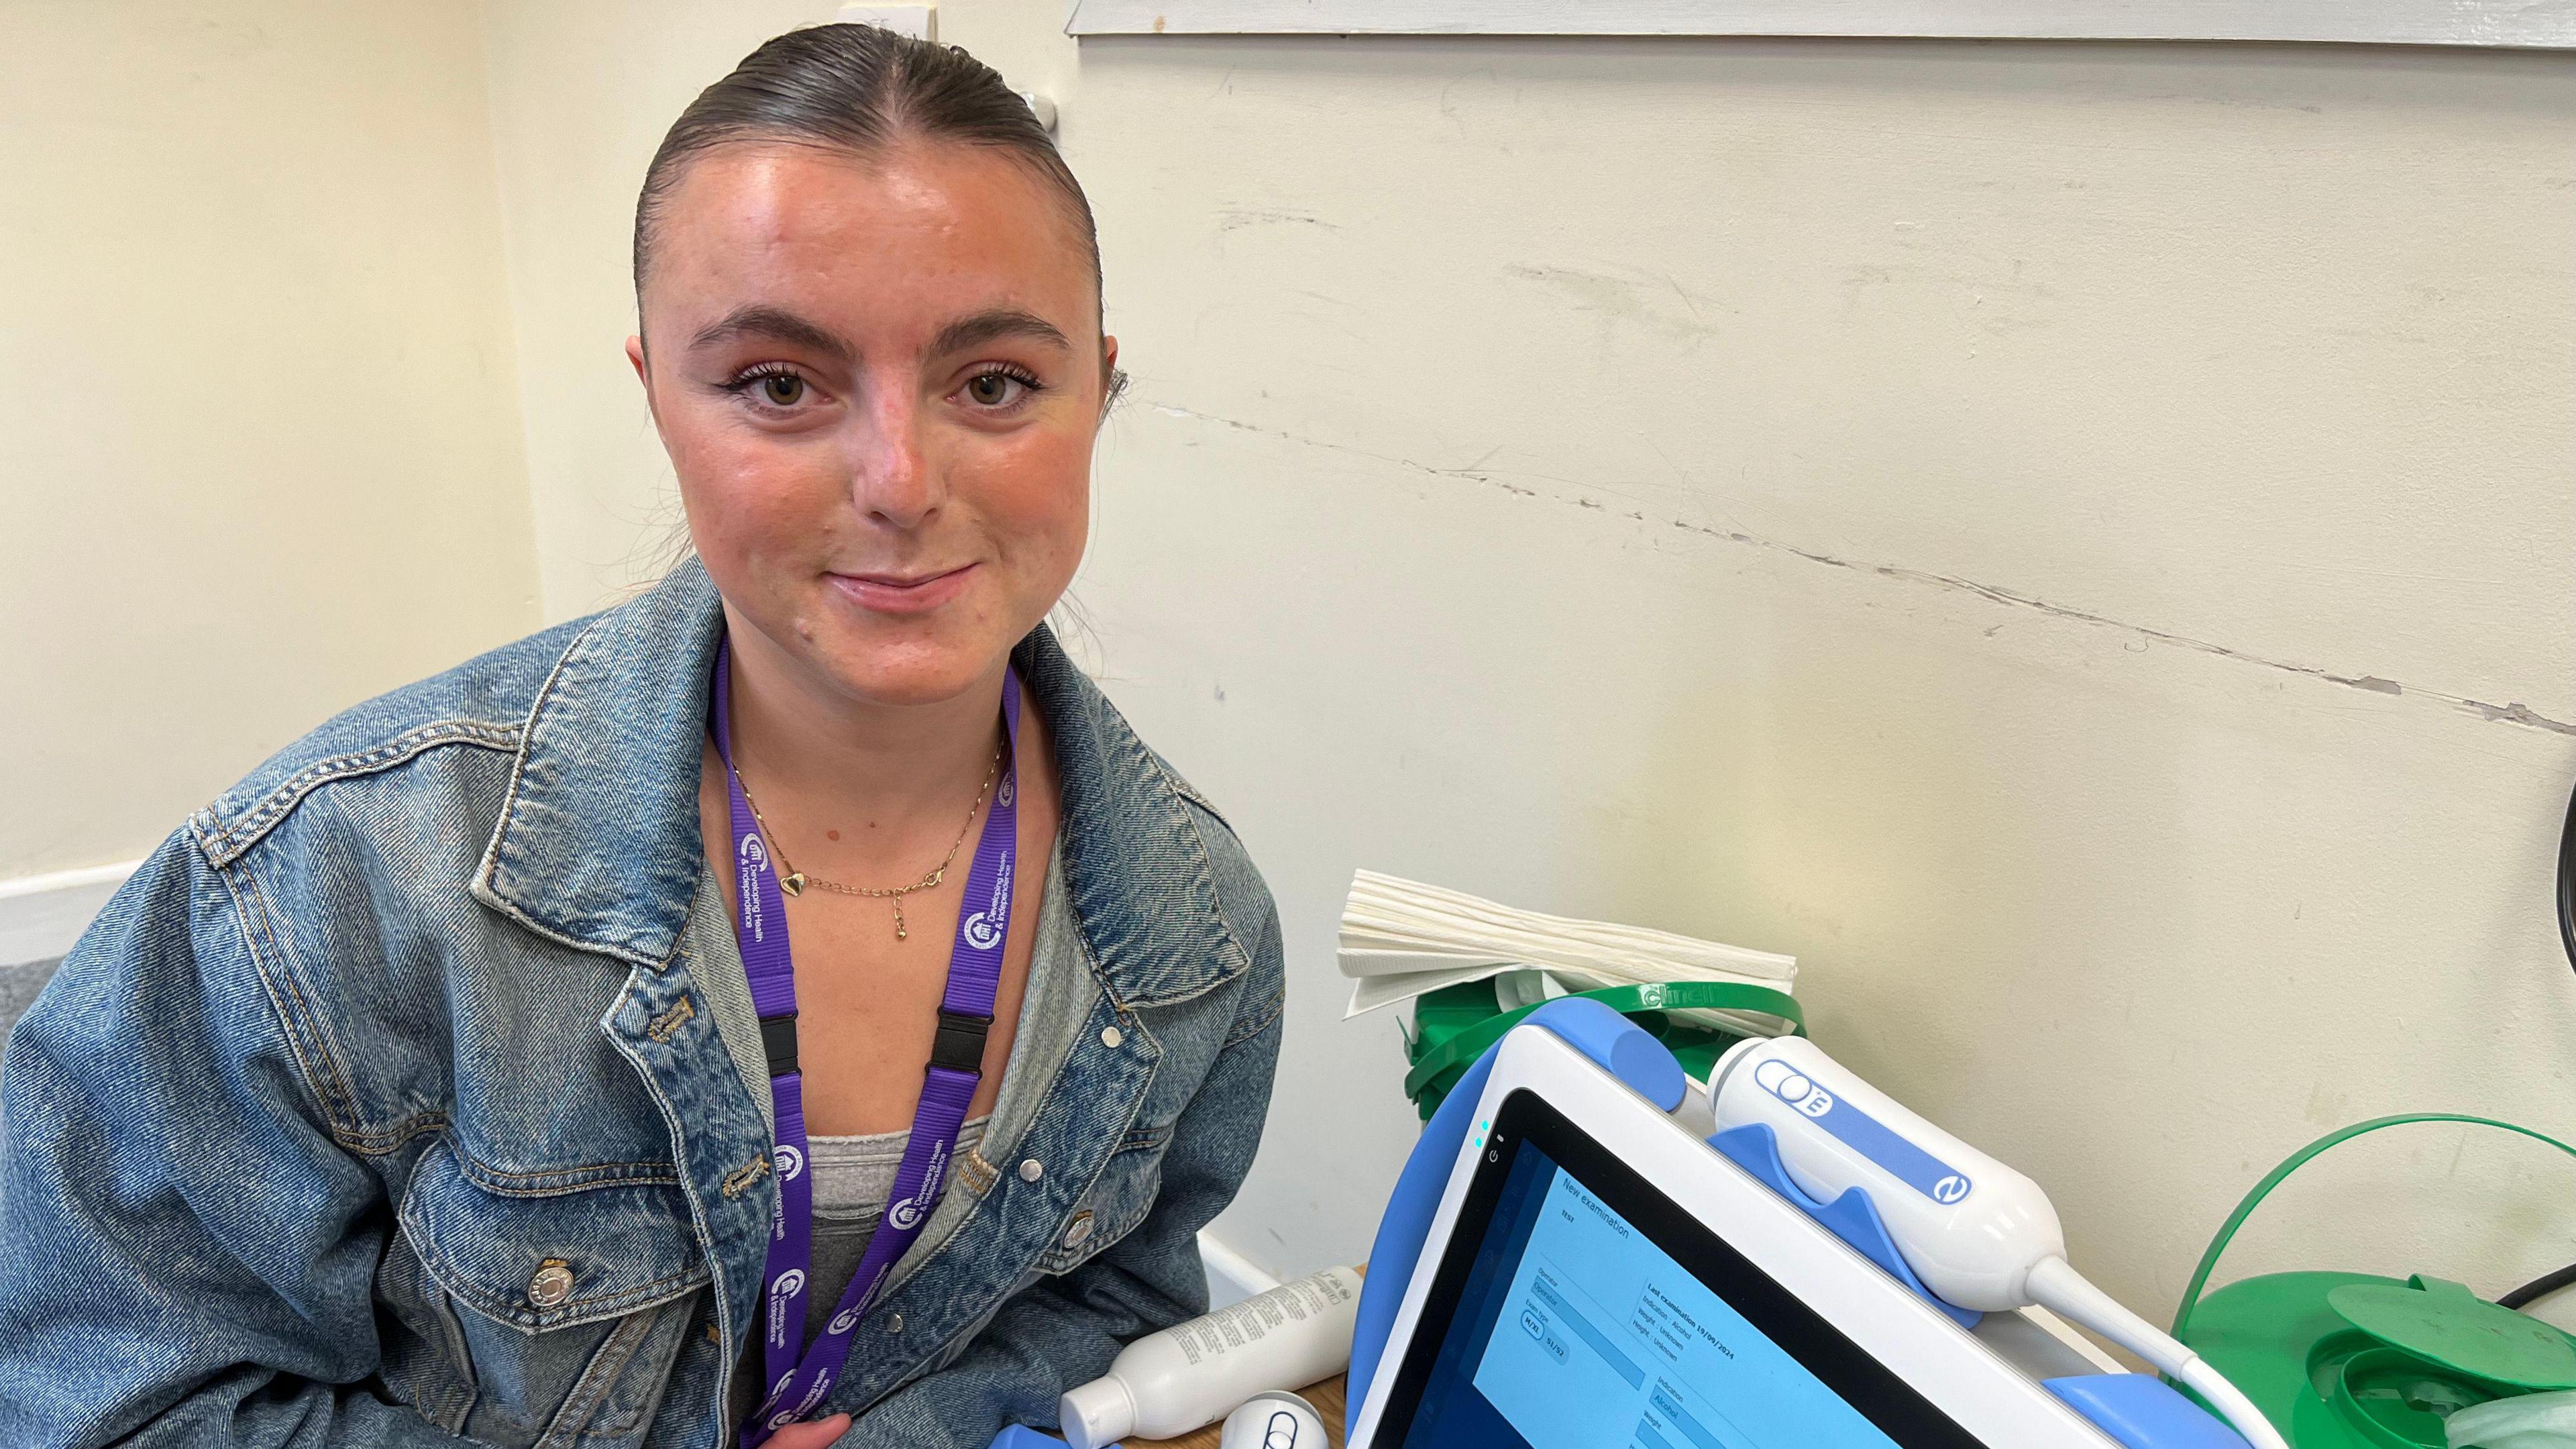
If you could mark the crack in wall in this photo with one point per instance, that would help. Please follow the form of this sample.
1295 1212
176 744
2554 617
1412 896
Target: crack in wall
2515 713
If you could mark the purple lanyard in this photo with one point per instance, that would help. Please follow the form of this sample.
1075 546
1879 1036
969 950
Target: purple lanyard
798 1383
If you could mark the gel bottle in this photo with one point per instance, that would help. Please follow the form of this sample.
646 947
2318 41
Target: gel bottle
1193 1374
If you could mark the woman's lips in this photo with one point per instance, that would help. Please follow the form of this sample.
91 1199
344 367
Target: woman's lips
902 593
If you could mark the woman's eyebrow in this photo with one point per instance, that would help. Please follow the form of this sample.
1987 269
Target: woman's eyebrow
984 327
778 325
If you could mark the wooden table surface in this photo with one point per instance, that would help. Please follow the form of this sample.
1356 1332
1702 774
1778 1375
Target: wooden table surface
1326 1397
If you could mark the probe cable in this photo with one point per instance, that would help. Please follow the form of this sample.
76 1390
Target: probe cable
2548 1283
2567 883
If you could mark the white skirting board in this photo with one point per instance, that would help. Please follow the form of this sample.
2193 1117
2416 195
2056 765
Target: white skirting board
2547 24
1231 1276
42 915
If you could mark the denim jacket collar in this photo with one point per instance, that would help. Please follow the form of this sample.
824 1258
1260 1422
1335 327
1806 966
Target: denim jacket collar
599 845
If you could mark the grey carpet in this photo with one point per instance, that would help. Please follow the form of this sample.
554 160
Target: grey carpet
18 987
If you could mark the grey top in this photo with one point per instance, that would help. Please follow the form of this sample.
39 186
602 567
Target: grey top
854 1176
728 987
853 1179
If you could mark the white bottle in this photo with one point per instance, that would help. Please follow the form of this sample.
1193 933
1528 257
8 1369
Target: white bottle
1191 1375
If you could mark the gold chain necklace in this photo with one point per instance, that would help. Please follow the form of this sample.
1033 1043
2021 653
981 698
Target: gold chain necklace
794 881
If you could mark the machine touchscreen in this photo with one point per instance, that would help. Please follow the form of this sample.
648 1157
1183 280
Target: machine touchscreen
1578 1308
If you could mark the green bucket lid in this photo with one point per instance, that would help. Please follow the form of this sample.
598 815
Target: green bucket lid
2354 1361
2443 1323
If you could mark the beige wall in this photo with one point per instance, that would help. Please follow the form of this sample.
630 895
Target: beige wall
259 451
581 92
1909 505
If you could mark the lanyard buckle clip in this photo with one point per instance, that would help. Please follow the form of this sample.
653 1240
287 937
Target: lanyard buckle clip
960 1044
778 1040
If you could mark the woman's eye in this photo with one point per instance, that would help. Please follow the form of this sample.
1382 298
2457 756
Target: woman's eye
773 390
995 389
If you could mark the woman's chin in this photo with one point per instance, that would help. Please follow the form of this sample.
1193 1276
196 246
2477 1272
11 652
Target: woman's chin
911 675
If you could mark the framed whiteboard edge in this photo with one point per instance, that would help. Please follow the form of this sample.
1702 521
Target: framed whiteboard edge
2509 24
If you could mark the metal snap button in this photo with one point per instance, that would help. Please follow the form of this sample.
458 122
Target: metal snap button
1080 1232
551 1285
1112 1038
1031 1169
894 1323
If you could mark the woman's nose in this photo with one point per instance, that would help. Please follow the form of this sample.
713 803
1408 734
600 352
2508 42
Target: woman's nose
890 473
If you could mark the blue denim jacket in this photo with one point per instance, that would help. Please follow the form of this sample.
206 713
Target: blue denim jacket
422 1007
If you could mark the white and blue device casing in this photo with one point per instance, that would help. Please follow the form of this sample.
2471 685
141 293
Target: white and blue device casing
2011 1377
1960 1375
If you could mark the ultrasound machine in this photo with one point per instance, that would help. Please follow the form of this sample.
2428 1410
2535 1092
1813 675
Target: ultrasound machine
1590 1251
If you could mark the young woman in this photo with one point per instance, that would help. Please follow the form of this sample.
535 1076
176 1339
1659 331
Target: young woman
791 1005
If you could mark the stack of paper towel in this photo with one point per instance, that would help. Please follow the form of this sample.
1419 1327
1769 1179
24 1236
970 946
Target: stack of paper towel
1401 938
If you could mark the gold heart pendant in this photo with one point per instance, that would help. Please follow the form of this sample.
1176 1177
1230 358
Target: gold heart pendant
794 884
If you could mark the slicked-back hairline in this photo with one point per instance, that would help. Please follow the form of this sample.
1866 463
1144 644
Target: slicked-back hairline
860 92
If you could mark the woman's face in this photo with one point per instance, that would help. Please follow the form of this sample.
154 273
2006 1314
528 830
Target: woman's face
878 379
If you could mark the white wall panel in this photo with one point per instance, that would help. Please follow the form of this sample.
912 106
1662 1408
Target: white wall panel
2545 23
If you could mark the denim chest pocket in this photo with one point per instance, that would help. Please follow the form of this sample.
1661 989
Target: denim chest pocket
567 1304
1122 1197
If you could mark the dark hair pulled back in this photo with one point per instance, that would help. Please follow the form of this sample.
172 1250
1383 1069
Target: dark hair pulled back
857 88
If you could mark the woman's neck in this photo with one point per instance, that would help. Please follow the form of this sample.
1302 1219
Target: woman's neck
820 756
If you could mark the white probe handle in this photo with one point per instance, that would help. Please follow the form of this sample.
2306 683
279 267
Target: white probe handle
1970 1227
1978 1234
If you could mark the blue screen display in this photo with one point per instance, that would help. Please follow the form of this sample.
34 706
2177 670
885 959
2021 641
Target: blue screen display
1576 1332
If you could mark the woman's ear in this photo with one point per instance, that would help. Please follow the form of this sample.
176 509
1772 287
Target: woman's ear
643 374
1113 383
